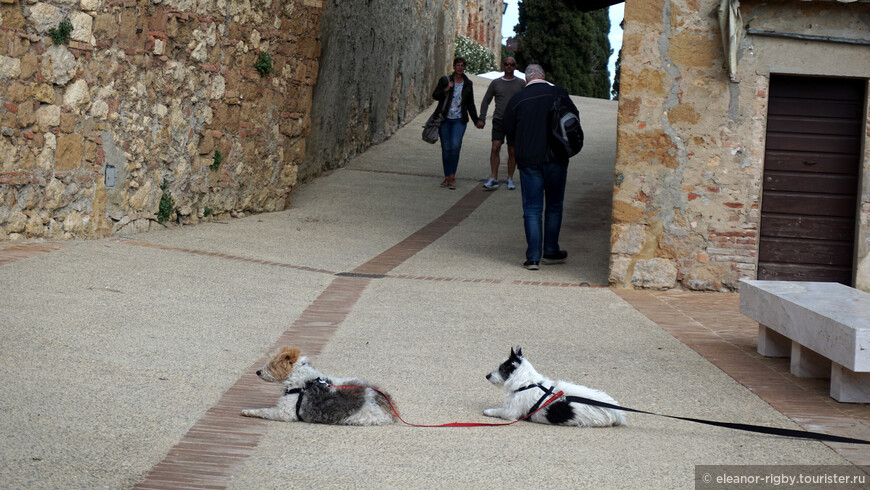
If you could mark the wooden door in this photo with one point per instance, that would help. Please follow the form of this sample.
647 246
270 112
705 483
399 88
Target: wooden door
811 175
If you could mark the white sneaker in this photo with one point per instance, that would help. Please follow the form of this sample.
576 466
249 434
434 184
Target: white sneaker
511 185
491 184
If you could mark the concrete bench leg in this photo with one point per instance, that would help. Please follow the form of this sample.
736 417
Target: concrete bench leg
808 364
772 343
849 386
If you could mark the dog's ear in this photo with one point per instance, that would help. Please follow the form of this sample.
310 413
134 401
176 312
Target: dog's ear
290 354
519 352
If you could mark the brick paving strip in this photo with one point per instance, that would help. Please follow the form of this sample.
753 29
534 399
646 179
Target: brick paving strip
25 250
713 326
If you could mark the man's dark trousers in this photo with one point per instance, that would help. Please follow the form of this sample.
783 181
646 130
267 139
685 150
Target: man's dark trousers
543 183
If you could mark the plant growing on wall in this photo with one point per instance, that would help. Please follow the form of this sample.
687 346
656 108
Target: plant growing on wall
478 59
218 158
167 204
62 32
264 64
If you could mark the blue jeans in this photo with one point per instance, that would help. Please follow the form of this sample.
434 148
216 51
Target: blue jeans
451 133
543 183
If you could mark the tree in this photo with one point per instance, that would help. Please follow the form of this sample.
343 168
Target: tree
570 45
614 92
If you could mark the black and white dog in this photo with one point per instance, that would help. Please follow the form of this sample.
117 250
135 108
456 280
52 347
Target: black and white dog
526 390
311 396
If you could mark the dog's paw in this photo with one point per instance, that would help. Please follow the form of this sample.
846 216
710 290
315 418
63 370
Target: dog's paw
249 413
491 412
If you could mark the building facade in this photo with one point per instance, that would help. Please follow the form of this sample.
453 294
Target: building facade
742 144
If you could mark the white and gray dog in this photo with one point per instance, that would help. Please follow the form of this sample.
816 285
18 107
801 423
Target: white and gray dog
311 396
526 390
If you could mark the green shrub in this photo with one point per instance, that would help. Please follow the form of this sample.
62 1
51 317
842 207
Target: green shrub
62 32
478 59
167 204
264 64
208 212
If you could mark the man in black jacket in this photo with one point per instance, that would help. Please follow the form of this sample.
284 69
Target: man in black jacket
543 169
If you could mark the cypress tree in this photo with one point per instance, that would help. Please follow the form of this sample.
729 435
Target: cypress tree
570 45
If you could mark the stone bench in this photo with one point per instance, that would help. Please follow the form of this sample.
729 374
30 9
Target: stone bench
823 326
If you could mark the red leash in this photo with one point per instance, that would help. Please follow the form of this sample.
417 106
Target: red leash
455 424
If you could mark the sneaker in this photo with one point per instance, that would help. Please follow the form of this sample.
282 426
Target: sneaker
511 185
452 183
556 258
445 182
531 265
490 185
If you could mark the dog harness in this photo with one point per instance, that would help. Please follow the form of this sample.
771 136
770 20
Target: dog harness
301 391
547 392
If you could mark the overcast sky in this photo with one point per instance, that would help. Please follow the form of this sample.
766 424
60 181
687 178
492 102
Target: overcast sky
511 17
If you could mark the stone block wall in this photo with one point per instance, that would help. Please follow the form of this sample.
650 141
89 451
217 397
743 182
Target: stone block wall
145 92
687 188
380 62
480 20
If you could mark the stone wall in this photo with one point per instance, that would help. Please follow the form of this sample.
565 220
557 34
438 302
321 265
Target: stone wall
480 20
380 61
691 142
145 92
148 91
378 69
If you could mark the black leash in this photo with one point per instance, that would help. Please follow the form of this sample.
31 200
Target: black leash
729 425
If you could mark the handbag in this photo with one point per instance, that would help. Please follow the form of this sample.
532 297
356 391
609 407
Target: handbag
433 125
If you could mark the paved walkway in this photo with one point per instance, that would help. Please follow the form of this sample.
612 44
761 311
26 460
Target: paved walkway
127 360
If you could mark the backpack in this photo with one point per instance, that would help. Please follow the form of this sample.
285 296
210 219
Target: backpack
566 133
